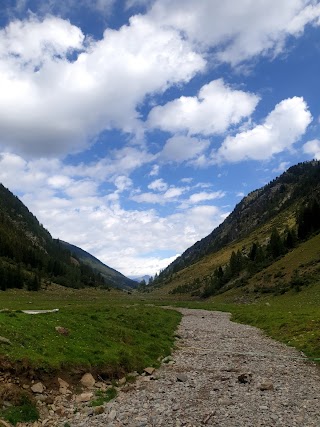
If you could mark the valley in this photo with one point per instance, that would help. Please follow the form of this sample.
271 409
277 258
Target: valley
263 269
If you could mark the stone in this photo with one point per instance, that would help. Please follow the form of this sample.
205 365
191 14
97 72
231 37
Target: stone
98 410
4 340
37 388
62 331
149 370
112 415
84 397
245 378
182 378
266 385
63 383
63 389
122 381
87 380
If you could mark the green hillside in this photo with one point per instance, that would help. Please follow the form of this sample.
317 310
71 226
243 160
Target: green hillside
111 276
30 257
269 224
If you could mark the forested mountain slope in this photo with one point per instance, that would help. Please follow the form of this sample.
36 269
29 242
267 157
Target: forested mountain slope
262 227
29 255
113 277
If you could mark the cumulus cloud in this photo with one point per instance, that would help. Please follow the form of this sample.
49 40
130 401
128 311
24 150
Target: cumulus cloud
281 167
280 130
125 239
154 170
62 8
205 196
216 107
313 148
182 148
51 105
238 29
158 185
170 195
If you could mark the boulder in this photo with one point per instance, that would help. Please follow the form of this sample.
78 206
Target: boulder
87 380
84 397
149 370
37 388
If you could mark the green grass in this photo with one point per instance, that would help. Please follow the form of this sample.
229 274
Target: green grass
26 411
104 396
109 333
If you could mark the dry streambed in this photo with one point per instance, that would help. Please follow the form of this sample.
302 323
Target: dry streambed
222 374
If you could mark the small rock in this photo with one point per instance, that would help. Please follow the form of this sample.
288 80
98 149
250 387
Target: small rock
87 380
62 331
182 378
267 385
112 415
4 424
84 397
25 386
37 388
149 371
63 383
41 397
98 410
167 359
245 378
122 381
4 340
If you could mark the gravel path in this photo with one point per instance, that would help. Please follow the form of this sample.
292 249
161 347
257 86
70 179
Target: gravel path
224 374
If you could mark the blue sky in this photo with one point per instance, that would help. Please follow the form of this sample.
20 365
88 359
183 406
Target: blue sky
132 128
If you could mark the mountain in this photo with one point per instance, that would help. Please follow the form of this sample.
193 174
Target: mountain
140 279
29 255
111 276
278 212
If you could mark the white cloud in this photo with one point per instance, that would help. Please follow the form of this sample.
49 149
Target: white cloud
313 148
155 170
281 167
32 42
158 185
240 194
123 183
205 196
281 129
212 111
171 195
50 105
152 198
62 8
182 148
122 161
238 29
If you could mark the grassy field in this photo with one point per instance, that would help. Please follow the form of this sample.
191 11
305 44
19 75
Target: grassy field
108 332
113 333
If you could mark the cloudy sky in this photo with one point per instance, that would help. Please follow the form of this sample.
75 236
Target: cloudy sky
131 128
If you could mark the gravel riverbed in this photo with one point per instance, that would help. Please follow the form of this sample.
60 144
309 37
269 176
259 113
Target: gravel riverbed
222 374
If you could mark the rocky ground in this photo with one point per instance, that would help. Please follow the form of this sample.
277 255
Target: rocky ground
221 374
